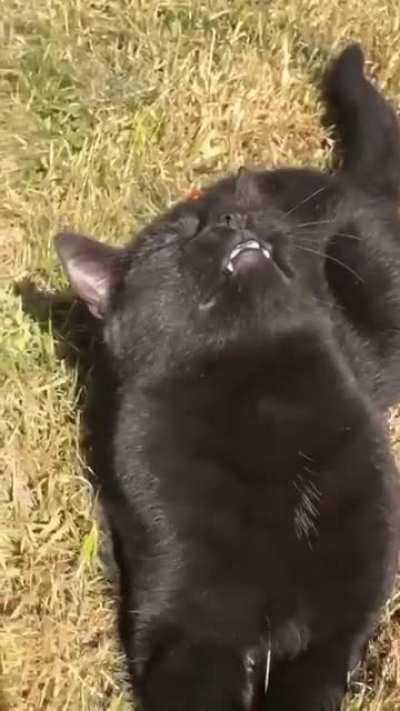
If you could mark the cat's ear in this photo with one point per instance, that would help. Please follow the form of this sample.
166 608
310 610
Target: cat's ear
89 266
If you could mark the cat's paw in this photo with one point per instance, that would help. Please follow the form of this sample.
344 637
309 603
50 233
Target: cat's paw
345 74
349 61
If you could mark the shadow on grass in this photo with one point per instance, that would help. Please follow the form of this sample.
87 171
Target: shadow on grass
78 341
77 333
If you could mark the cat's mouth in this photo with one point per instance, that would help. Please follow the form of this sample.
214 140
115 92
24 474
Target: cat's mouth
247 253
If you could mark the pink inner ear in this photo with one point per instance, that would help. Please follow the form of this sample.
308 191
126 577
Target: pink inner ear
90 282
89 266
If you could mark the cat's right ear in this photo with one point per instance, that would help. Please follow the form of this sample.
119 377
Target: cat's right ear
89 266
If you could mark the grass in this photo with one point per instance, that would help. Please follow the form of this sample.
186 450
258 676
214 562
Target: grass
110 110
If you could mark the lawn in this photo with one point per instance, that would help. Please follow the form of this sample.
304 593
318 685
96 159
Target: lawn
111 110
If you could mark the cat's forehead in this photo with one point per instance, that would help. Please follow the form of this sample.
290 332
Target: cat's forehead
240 211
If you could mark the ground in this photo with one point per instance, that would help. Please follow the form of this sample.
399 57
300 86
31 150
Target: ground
110 110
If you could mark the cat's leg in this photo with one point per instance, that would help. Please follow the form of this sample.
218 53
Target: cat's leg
363 272
367 126
315 681
363 257
183 676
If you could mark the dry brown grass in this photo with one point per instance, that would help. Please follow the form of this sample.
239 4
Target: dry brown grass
109 111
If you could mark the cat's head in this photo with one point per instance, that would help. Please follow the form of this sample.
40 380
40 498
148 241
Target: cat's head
224 268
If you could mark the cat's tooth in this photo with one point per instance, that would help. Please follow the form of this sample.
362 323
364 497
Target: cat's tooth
229 266
236 251
250 244
267 253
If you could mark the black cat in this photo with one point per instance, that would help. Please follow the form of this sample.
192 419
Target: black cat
252 348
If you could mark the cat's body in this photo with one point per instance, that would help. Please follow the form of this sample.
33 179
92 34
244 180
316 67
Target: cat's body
252 343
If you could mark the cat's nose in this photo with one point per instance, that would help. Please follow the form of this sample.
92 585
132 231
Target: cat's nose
235 221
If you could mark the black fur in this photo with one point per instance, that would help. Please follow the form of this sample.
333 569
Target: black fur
238 432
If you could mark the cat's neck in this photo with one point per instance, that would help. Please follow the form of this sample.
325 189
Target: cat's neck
252 405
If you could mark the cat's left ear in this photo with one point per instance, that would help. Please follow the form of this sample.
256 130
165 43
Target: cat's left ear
89 266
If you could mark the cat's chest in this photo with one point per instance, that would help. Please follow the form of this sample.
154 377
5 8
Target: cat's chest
254 532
